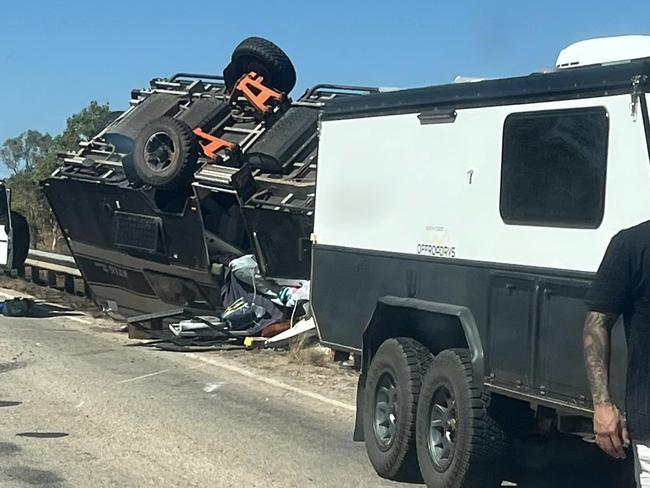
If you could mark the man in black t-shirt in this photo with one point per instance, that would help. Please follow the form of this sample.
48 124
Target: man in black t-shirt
622 288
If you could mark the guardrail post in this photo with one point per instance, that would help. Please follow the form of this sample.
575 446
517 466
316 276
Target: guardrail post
54 270
51 279
68 283
79 287
36 276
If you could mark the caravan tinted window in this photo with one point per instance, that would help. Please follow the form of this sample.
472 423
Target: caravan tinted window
553 168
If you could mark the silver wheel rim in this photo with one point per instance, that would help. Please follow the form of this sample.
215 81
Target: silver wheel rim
159 151
442 428
385 422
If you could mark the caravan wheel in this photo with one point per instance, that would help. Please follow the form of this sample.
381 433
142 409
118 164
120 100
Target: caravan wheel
392 389
459 445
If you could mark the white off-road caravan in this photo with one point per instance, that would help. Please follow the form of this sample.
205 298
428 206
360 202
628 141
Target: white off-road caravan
457 229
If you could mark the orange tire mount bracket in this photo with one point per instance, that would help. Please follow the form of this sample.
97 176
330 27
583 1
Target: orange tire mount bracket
256 92
211 145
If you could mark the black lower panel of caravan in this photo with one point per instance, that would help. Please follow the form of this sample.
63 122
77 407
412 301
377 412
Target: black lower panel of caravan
135 257
530 321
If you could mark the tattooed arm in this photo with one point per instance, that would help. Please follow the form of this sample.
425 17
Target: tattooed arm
611 433
596 350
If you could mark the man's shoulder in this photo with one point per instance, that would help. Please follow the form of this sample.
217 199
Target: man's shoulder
636 235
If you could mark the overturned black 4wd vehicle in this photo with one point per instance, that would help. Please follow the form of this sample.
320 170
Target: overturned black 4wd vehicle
200 170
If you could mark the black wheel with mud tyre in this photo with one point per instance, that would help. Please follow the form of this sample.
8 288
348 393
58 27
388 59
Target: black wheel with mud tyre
264 58
459 444
391 394
165 155
129 171
19 239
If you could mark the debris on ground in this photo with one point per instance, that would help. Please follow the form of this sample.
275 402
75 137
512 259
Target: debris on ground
301 331
17 307
256 310
25 288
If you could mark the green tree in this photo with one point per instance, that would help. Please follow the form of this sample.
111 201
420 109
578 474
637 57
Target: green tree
22 153
32 156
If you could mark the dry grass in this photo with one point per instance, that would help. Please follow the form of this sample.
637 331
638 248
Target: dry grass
306 352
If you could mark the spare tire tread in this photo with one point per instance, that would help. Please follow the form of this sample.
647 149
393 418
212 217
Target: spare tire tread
280 68
182 169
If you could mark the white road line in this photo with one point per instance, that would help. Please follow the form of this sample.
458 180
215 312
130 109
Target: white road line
211 387
272 382
198 366
142 377
81 321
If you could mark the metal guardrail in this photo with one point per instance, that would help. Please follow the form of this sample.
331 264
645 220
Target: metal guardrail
54 270
53 262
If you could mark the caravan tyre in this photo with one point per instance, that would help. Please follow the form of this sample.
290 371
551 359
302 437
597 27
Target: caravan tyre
459 445
165 154
391 394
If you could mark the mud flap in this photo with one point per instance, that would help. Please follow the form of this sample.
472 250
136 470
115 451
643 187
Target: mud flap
358 435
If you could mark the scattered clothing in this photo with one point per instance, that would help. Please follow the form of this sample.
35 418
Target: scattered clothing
241 315
17 307
289 296
246 271
242 282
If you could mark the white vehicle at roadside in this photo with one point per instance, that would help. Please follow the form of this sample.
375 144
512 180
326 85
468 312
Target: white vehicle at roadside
14 233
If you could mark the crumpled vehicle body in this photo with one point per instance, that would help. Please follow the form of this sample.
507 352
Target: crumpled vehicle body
144 247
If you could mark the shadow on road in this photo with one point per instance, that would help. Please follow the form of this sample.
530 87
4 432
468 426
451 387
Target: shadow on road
563 461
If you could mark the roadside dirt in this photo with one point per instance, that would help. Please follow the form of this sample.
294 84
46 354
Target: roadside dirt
312 368
78 303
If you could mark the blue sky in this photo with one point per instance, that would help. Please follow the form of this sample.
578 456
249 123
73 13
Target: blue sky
55 57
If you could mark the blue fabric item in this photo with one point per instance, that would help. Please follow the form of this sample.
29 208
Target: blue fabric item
246 271
234 289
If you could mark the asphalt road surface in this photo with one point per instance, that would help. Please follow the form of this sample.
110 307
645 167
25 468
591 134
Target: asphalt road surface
80 409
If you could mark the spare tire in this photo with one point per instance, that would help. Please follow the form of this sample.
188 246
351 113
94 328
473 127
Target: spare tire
128 167
19 239
165 154
264 58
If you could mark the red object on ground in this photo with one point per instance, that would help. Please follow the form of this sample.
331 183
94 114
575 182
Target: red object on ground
274 329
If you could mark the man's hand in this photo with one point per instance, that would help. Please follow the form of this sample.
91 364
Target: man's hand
611 431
